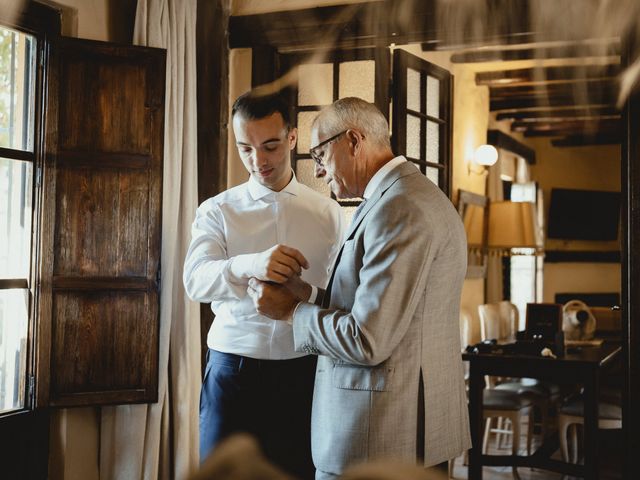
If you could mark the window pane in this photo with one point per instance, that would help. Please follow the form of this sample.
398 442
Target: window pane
433 96
433 174
315 84
14 314
413 136
17 60
305 119
305 172
357 79
413 89
15 218
433 142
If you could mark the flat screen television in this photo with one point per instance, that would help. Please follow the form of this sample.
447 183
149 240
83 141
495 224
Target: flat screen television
583 214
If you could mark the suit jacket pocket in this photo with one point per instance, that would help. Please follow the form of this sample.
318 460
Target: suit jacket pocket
353 377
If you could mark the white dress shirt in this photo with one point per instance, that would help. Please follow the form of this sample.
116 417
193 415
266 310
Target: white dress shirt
380 174
229 229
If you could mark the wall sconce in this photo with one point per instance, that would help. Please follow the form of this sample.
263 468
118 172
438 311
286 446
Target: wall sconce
484 156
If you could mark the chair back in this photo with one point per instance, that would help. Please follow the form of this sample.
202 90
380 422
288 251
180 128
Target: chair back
499 321
510 319
469 329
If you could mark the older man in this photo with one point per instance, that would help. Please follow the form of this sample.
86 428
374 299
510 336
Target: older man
389 381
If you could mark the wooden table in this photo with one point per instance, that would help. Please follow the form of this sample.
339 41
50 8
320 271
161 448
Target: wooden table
584 367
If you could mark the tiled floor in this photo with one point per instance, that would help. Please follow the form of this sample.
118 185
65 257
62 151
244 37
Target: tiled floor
609 470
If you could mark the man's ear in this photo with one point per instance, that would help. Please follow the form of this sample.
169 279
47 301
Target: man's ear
354 137
292 137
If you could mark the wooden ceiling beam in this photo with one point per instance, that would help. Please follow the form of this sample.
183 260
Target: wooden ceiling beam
540 53
592 88
499 139
587 93
588 140
564 131
558 113
546 101
548 75
578 126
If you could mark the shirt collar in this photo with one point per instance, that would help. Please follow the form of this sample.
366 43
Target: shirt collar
377 178
259 191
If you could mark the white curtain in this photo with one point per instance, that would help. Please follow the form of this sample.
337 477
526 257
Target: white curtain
160 441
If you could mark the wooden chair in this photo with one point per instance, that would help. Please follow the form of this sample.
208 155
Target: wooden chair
500 321
500 405
572 414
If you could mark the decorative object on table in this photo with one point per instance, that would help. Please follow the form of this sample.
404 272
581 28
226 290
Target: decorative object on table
578 322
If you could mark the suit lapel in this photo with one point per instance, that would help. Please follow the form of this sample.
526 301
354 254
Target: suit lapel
400 171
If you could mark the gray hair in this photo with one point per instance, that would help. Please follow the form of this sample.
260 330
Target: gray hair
353 112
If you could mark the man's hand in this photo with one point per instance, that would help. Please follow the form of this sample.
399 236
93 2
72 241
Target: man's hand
299 288
272 300
278 264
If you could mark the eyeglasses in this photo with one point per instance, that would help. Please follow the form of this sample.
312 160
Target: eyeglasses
315 151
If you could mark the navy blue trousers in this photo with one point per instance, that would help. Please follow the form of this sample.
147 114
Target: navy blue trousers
270 399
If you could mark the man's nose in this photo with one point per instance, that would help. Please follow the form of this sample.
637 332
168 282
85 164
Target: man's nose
319 171
260 157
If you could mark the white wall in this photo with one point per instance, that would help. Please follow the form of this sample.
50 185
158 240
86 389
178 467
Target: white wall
587 168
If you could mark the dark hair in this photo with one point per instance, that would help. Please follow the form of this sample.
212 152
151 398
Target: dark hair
253 106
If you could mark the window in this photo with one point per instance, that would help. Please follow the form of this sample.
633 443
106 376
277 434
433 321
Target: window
340 74
421 106
80 217
422 116
525 267
17 130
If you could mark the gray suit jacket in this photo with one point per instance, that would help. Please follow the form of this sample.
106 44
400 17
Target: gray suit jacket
393 319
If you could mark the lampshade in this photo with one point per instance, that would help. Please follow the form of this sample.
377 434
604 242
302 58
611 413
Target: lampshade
473 220
513 225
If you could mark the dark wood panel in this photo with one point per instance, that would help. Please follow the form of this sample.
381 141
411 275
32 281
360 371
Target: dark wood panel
212 63
96 339
103 283
631 264
95 160
102 227
106 108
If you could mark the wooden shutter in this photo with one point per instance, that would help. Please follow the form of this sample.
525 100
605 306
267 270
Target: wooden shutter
422 116
100 277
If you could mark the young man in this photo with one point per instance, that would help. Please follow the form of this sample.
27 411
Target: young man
271 228
389 382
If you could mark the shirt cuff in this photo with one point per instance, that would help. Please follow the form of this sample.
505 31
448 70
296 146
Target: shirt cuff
313 295
240 267
295 309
